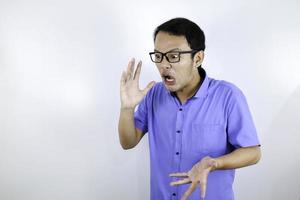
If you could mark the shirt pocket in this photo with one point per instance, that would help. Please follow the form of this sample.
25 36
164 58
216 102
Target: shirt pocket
208 138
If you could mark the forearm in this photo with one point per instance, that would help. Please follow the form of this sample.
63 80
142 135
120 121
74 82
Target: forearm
127 131
241 157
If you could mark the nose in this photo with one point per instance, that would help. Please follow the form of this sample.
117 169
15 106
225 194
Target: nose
165 64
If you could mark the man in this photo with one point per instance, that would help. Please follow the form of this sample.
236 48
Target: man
200 129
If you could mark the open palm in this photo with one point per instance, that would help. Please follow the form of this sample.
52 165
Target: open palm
197 176
131 94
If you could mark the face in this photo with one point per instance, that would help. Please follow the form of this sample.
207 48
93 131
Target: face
182 75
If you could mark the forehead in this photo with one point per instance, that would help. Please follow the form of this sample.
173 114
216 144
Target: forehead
165 42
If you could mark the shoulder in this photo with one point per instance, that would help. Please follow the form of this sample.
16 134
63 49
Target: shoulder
157 89
228 94
223 88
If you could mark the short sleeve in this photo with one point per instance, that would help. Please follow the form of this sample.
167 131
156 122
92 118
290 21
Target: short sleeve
140 116
240 126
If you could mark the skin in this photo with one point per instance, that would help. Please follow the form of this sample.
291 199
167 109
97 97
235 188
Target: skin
187 81
185 72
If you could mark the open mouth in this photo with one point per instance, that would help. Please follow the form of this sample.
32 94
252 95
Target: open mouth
170 80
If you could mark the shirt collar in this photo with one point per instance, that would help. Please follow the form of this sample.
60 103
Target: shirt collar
203 89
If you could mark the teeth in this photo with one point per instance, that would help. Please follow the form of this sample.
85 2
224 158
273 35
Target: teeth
169 79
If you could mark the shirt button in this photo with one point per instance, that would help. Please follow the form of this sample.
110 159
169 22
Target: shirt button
180 109
178 131
174 194
177 153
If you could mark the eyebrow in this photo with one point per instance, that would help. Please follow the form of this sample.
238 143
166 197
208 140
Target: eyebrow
168 51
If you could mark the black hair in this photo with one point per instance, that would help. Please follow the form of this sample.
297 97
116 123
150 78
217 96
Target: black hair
184 27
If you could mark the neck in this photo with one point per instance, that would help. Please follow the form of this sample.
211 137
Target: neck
187 92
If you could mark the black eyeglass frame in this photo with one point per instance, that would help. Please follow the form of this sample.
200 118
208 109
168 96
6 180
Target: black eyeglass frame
165 55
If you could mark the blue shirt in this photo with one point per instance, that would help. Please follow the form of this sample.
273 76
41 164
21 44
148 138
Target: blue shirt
214 122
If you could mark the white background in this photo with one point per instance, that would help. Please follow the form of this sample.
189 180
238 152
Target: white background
60 64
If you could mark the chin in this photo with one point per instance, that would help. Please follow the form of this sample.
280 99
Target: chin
172 88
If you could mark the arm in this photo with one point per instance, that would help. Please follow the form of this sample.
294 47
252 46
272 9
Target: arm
129 135
131 96
241 157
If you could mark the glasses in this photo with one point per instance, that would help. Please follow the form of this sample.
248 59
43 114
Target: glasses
172 56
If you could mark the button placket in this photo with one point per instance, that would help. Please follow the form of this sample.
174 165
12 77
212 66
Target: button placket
177 147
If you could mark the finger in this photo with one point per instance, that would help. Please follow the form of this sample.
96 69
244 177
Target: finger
130 68
180 182
148 87
189 191
183 174
123 78
203 189
138 71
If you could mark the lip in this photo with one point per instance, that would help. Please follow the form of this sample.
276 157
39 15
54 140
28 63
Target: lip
169 83
169 80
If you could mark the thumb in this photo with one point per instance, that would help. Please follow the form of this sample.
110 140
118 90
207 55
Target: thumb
148 87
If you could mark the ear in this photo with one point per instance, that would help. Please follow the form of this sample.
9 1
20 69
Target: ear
198 58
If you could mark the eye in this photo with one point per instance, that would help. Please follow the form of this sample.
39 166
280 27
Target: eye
173 56
157 56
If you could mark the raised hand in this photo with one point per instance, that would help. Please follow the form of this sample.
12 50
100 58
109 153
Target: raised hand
131 94
196 176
